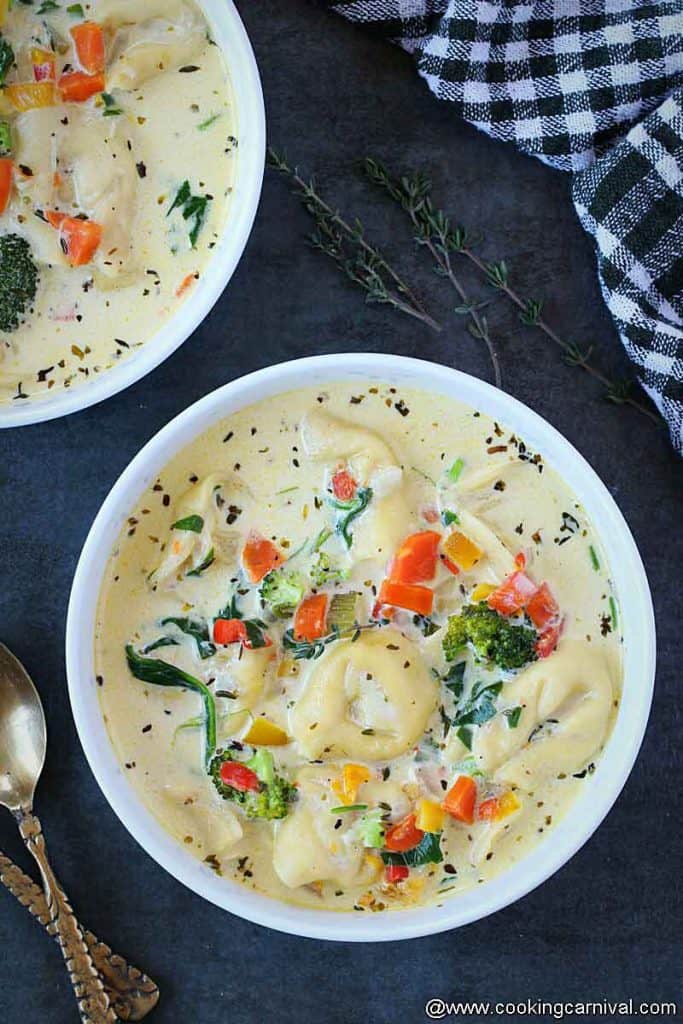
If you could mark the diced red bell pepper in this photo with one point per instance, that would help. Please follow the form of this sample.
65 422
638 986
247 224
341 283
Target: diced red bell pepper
415 560
239 777
229 631
520 560
513 593
344 487
460 799
403 836
396 873
410 596
548 640
6 173
542 609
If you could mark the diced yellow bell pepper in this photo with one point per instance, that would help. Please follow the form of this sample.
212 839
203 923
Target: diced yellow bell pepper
263 733
29 95
429 817
462 551
482 591
508 803
346 786
375 862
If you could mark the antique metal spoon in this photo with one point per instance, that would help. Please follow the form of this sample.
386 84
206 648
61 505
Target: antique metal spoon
22 755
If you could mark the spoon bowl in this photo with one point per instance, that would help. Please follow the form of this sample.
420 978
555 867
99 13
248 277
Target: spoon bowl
23 734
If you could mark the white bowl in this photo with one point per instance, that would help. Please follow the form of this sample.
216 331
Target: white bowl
230 35
601 789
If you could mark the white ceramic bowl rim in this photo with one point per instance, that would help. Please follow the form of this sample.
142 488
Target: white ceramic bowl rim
635 605
229 33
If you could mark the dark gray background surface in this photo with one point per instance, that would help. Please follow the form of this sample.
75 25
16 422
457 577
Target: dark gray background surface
606 925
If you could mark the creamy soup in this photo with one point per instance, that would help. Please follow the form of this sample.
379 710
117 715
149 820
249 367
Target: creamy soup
117 151
357 648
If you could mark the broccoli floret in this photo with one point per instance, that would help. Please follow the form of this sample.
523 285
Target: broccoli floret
271 801
323 571
371 829
283 591
492 636
18 280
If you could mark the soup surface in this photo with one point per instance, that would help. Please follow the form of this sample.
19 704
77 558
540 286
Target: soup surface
117 151
357 648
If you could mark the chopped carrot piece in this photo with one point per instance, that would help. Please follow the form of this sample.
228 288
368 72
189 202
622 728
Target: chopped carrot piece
30 95
542 609
259 557
415 560
89 42
79 238
229 631
185 284
76 86
403 836
410 596
6 170
513 593
461 550
344 487
461 798
310 618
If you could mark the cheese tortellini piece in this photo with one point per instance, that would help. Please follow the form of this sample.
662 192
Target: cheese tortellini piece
172 35
372 463
309 846
369 700
569 696
204 506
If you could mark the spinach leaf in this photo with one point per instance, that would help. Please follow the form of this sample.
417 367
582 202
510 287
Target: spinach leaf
193 523
427 851
199 631
513 716
352 510
160 673
454 680
6 59
477 709
163 641
209 560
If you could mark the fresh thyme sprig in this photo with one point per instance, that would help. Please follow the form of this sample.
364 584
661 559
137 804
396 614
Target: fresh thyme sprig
347 246
435 233
413 194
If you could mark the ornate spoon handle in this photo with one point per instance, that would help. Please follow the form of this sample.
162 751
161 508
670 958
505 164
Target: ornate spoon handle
93 1002
132 994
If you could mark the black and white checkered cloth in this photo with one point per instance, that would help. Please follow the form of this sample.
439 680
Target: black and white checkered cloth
589 86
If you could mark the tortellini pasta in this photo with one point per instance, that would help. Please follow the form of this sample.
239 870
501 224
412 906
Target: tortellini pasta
310 846
568 697
370 699
372 463
173 34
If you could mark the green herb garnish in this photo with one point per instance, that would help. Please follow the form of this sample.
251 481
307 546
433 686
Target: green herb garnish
594 558
111 108
513 716
193 523
192 208
76 10
448 517
207 124
455 470
5 138
348 807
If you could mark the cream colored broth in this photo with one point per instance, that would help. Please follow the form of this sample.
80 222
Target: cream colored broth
374 701
123 171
